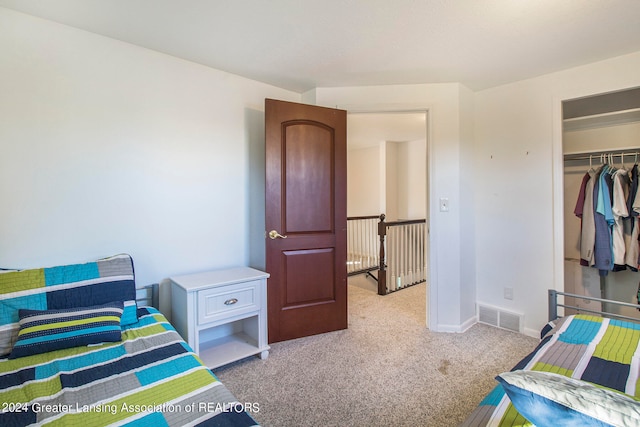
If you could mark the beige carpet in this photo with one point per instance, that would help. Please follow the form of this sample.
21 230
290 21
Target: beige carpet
387 369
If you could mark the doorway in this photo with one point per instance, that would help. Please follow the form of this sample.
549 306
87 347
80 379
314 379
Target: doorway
387 173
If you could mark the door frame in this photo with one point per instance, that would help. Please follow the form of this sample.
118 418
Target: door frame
432 274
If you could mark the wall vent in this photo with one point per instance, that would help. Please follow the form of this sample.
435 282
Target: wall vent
500 318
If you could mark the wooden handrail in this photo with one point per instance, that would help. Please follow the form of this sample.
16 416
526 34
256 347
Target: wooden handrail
353 218
405 222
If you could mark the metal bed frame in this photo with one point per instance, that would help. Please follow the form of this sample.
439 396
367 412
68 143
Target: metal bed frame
148 295
554 304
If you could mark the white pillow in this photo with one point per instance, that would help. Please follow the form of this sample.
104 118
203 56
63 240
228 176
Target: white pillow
546 398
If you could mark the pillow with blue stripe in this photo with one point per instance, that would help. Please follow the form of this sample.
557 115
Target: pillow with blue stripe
42 331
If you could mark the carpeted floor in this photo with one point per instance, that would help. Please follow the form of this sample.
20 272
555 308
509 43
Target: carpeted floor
386 369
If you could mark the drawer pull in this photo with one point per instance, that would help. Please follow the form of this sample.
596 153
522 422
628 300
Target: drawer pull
231 301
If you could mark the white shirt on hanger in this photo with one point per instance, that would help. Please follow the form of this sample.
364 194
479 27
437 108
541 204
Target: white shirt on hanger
619 209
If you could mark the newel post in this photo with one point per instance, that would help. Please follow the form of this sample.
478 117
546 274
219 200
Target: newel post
382 273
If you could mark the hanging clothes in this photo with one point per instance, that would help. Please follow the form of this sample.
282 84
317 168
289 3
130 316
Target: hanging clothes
633 259
585 212
631 230
579 209
603 254
608 205
633 188
619 209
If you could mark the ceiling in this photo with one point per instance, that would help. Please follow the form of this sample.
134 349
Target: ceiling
303 44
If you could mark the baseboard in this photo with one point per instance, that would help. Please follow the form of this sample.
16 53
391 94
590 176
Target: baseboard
457 328
535 333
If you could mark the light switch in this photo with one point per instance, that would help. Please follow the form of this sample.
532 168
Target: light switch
508 293
444 204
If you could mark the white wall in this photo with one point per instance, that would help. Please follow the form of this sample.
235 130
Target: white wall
518 174
468 188
412 179
109 148
389 178
363 181
449 309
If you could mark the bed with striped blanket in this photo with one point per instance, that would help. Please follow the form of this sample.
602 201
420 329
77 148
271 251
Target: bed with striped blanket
76 350
150 378
595 350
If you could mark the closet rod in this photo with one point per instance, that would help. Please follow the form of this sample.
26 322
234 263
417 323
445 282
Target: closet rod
595 155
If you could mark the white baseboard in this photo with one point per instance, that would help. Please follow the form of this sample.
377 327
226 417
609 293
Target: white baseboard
535 333
457 328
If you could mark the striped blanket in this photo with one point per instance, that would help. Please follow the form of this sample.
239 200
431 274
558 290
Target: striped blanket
65 286
151 377
594 349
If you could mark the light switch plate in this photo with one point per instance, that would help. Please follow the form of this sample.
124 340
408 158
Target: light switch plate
508 293
444 204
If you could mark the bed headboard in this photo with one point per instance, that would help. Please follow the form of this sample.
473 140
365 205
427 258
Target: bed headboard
148 295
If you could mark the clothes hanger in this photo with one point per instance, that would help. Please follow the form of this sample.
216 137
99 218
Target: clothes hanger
622 162
606 163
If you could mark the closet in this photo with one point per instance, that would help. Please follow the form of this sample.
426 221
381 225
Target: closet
598 130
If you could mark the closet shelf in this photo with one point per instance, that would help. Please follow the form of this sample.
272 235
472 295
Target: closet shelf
616 152
600 120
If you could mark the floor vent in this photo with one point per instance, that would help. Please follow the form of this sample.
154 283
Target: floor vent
500 318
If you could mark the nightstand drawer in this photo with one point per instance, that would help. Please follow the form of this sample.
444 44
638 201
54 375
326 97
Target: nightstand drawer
226 301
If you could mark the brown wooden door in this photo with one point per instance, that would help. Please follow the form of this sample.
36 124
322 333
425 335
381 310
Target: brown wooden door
306 188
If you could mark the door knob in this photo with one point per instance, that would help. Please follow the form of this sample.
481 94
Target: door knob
273 234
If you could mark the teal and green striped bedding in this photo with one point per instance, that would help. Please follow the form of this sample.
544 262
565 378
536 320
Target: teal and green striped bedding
63 287
151 377
595 349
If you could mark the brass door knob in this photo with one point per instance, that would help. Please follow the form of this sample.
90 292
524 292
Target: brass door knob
273 234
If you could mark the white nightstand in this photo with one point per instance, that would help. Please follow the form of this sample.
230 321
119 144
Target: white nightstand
222 314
